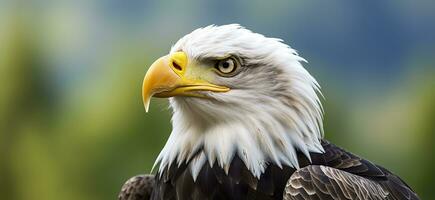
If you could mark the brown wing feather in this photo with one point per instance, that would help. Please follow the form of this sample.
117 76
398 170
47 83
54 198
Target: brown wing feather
321 182
138 187
338 174
339 158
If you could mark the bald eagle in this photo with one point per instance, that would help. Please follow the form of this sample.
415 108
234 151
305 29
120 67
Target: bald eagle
247 124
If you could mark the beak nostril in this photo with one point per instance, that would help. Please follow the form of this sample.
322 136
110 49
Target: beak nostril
177 66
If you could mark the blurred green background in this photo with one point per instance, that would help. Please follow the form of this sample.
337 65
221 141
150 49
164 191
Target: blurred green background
72 124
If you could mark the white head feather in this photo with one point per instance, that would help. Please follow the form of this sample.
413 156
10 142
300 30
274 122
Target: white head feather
271 111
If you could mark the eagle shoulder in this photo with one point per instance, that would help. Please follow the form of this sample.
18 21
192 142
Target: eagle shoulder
322 182
338 174
138 187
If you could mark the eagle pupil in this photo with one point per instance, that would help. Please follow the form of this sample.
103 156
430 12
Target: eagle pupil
225 65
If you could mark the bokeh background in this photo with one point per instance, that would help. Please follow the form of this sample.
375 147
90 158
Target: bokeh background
72 124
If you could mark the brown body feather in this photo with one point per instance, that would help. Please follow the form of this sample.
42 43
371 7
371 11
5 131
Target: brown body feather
335 174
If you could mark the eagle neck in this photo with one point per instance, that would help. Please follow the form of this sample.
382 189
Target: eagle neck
201 135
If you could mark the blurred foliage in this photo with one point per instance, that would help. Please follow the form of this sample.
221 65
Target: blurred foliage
72 124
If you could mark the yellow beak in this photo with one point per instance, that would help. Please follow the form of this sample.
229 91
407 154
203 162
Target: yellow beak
166 78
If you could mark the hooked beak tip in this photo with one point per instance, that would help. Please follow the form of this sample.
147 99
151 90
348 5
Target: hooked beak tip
147 108
146 104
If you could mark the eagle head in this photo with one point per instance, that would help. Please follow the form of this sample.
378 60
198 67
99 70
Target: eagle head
235 93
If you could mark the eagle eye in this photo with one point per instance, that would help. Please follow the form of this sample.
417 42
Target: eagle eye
227 66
